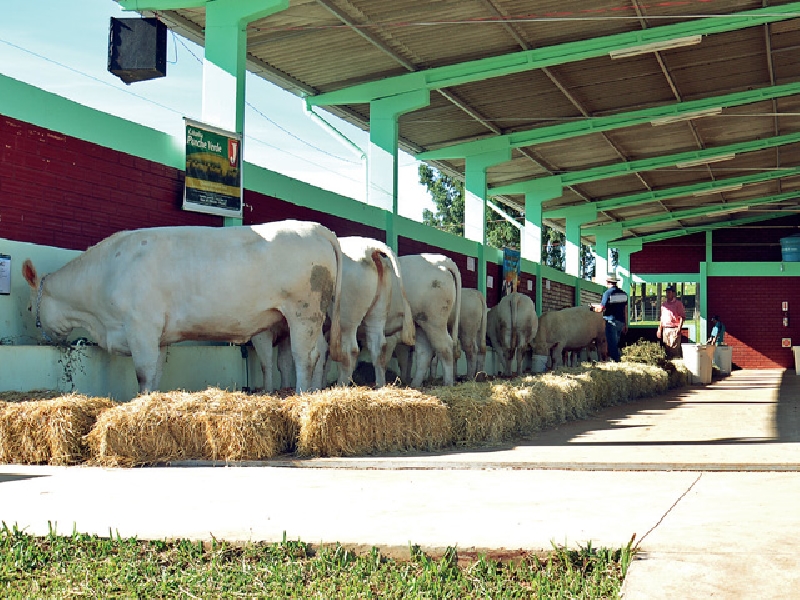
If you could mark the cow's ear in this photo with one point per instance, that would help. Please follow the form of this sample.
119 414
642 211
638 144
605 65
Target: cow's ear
29 273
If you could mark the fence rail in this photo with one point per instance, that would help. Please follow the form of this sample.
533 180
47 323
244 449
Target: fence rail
639 315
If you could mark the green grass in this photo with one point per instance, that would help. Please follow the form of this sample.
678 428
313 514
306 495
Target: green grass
84 566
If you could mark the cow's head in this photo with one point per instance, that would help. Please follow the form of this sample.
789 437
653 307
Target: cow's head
36 302
30 275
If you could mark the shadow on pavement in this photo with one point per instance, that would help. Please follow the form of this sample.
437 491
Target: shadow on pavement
787 415
8 477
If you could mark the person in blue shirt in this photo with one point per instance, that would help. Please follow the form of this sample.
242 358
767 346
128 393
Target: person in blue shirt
615 305
717 337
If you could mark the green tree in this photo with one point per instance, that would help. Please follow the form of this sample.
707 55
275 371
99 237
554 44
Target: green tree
554 251
448 196
588 262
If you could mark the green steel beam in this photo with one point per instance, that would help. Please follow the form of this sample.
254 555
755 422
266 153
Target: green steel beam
649 164
156 5
705 210
572 129
657 237
686 190
486 68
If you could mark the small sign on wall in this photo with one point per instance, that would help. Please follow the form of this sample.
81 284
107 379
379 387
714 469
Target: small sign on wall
470 263
786 342
5 274
530 285
213 182
489 281
784 306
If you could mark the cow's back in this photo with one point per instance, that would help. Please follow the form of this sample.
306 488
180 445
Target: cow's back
572 327
202 283
428 286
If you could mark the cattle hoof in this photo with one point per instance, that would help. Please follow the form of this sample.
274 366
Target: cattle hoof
480 377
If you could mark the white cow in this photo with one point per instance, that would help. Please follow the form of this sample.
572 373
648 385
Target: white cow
432 285
569 329
137 292
472 330
370 272
264 343
511 326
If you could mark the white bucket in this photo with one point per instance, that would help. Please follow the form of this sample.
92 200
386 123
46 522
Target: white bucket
723 358
698 359
539 363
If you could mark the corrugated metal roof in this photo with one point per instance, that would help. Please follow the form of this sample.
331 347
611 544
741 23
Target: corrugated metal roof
320 46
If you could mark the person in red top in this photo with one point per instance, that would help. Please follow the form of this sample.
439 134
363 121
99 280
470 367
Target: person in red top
669 328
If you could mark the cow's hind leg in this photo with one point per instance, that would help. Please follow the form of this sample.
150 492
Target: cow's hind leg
262 342
285 363
405 357
471 354
320 373
304 333
376 346
423 354
442 344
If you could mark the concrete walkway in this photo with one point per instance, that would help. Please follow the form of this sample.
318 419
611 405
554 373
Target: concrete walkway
706 478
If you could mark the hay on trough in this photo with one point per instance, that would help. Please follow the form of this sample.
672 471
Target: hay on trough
481 413
210 425
346 421
46 431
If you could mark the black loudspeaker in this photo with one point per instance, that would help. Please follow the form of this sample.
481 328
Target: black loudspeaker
137 49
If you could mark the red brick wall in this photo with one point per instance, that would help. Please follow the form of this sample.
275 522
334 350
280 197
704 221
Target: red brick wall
522 285
557 297
405 246
676 255
493 293
60 191
589 297
266 209
750 308
759 242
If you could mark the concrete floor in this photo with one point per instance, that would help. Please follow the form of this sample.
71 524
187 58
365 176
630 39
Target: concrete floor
705 478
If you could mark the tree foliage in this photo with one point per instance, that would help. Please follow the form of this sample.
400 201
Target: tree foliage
448 197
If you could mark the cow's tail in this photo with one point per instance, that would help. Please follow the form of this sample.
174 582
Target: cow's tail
482 326
451 266
408 334
335 344
514 324
379 258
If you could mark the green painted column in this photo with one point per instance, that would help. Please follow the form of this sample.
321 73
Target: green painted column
539 289
702 290
603 234
475 204
624 250
575 216
536 193
224 65
382 153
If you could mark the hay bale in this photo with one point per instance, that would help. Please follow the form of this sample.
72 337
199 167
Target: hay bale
47 431
209 425
347 421
481 413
